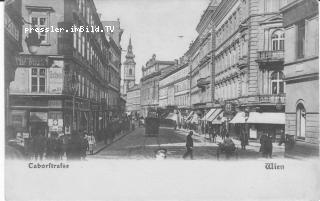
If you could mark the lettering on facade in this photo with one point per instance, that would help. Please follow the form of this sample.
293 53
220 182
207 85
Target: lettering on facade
31 60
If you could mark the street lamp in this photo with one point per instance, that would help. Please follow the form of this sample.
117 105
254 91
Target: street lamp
74 81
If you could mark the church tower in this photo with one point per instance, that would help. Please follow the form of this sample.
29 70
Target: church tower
129 70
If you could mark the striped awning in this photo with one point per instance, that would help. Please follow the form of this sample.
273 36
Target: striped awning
214 114
211 111
219 118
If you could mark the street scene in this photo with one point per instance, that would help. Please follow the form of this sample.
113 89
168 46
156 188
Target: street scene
216 80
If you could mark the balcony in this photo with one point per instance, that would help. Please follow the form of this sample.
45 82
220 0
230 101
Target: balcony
202 82
265 57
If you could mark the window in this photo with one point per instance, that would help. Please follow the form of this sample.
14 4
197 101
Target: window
40 20
301 121
277 83
301 39
38 80
277 40
130 71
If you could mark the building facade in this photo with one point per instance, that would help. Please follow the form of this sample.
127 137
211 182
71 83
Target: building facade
64 84
114 65
174 87
133 100
301 70
150 83
249 78
129 66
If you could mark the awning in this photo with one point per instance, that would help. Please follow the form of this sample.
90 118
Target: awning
214 114
208 114
219 118
189 116
172 116
266 118
195 118
239 118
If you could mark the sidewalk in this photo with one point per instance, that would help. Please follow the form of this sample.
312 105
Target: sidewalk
277 152
101 145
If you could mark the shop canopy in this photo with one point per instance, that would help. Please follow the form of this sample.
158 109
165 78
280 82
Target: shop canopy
239 118
195 118
205 118
172 116
189 116
219 119
214 114
266 118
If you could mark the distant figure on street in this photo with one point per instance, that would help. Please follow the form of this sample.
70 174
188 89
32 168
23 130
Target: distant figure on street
189 146
263 140
74 147
268 147
243 139
92 143
39 143
282 138
84 146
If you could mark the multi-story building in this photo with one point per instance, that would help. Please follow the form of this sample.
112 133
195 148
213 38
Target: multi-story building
63 84
113 34
133 100
150 83
301 71
248 77
12 45
174 87
201 62
129 66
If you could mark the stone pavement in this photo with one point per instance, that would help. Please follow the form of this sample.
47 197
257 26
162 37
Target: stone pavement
277 151
101 145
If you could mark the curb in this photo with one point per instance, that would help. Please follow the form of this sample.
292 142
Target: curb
107 145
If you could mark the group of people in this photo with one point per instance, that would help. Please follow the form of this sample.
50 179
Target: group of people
55 147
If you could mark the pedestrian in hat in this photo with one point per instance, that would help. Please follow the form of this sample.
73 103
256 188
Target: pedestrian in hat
189 146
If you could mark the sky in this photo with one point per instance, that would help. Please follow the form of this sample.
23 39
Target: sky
154 26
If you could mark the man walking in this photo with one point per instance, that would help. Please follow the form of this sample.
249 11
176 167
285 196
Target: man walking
189 145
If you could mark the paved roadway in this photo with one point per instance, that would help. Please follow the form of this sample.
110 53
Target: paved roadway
138 146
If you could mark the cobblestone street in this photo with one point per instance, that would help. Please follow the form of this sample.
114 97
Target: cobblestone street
138 146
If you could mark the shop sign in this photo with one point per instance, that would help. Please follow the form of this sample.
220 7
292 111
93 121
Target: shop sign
32 60
55 103
55 80
25 135
38 116
55 124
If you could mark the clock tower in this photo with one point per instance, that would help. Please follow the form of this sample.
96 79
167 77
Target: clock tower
129 70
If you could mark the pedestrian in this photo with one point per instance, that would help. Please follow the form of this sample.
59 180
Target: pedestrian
243 139
268 147
282 138
65 140
39 144
228 146
50 146
57 147
84 146
74 147
189 146
92 143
